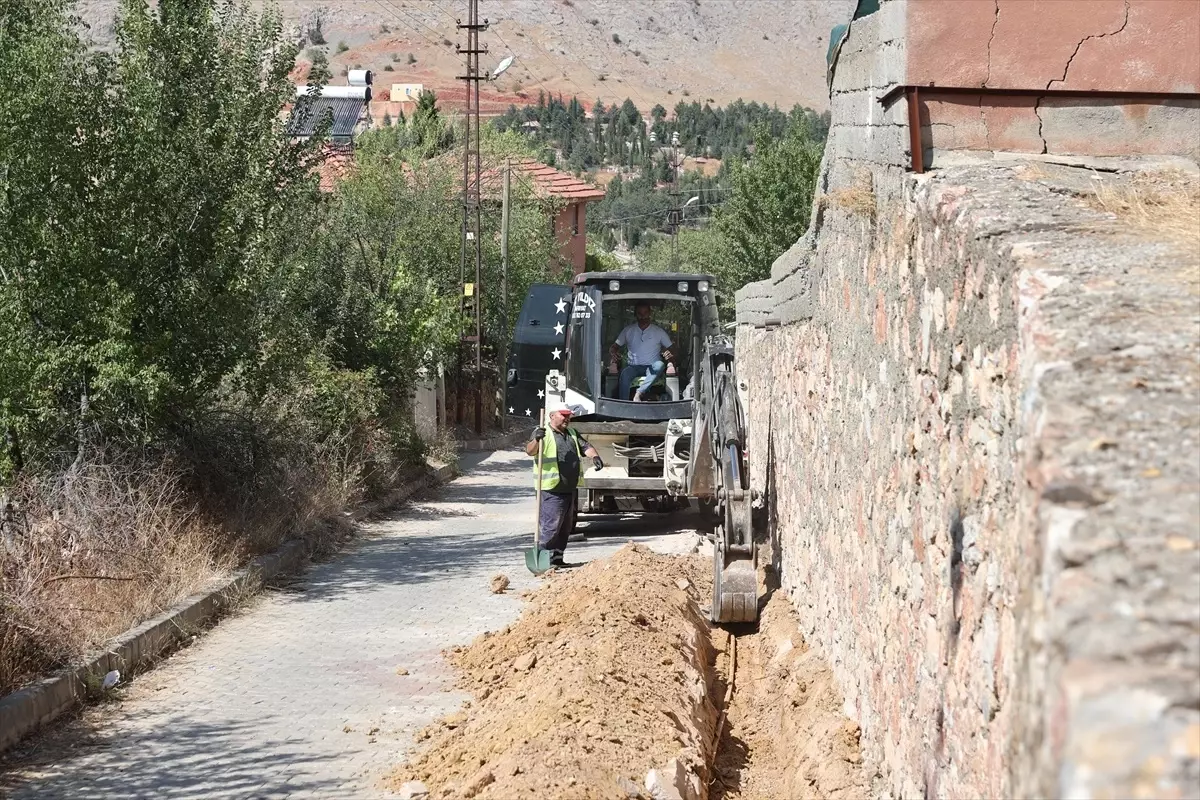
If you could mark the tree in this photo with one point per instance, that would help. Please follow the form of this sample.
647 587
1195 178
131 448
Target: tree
428 131
141 225
771 202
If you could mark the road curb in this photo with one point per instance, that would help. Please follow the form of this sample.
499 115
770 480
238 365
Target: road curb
26 710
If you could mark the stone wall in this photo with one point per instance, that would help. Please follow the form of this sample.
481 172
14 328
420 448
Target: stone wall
973 406
958 519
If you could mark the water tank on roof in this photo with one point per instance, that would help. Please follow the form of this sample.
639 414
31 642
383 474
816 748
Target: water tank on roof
359 77
339 92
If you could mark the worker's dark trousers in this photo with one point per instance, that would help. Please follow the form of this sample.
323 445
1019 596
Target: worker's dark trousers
557 522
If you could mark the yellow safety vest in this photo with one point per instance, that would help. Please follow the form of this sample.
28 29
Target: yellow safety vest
549 474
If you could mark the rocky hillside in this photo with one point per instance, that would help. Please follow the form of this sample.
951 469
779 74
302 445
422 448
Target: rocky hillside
653 51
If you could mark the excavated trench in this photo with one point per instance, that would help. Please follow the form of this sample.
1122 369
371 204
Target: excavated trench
612 684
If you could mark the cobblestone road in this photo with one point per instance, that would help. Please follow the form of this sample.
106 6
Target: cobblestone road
298 695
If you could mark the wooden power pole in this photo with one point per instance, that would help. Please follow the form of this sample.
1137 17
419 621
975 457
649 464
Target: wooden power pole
504 216
471 233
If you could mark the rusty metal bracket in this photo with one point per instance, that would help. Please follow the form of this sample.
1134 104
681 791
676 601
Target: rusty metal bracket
913 94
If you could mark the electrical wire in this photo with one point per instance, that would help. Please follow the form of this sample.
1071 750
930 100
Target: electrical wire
664 212
396 10
392 10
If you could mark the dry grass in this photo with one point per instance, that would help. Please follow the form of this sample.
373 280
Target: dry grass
858 198
443 448
87 555
1164 205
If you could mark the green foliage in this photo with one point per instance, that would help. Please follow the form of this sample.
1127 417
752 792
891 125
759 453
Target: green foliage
140 222
771 202
165 252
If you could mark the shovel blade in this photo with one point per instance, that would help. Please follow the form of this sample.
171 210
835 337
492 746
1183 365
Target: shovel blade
537 560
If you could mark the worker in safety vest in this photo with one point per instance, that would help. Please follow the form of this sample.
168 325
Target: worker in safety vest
562 453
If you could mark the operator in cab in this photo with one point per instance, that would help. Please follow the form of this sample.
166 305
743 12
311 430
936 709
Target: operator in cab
562 452
648 347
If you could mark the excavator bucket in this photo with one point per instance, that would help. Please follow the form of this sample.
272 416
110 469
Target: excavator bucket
735 589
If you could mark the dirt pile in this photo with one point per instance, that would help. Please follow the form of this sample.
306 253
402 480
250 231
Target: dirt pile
785 735
612 674
605 677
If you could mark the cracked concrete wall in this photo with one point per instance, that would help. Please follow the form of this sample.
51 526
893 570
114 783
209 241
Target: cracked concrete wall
987 521
1100 45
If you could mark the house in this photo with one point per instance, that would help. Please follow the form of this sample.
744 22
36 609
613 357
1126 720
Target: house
569 196
348 111
406 92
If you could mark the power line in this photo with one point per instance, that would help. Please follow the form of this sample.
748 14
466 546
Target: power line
653 213
391 10
434 31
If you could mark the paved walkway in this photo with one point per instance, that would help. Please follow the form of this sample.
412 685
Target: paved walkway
298 695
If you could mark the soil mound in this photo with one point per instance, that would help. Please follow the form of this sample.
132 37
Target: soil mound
605 677
612 683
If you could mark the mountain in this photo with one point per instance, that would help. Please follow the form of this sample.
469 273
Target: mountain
652 51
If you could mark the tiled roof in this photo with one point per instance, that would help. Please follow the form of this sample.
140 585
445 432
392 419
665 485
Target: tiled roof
550 182
336 163
546 181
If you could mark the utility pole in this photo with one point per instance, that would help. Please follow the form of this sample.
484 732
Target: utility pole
675 210
471 199
504 212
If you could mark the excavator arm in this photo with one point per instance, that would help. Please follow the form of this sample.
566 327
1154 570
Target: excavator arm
719 472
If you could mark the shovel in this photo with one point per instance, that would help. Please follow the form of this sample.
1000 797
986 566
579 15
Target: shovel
537 560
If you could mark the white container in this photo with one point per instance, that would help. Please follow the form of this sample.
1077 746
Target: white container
343 92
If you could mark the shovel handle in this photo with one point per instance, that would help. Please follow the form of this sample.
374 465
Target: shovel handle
537 522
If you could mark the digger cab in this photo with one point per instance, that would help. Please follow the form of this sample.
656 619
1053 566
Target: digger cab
600 306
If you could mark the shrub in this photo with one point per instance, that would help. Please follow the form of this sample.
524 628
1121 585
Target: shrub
616 39
342 47
412 59
313 28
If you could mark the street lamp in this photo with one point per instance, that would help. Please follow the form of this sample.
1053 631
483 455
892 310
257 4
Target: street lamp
502 67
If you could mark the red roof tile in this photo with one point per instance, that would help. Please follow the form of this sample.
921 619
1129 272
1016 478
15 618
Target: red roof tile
336 163
546 181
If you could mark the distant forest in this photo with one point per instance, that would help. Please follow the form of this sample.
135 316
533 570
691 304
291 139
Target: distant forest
618 136
620 133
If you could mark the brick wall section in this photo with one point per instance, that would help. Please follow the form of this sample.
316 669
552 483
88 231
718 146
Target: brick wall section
981 452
